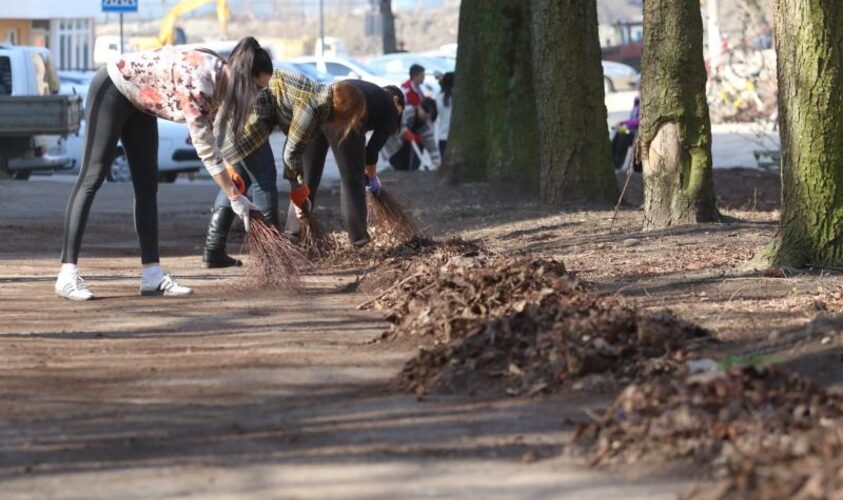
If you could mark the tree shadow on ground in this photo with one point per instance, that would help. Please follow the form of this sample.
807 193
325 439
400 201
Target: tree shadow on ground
311 423
814 350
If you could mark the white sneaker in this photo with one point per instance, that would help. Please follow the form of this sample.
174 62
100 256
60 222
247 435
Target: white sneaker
71 286
164 286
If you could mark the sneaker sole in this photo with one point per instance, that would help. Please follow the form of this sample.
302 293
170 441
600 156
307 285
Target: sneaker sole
76 299
159 293
216 265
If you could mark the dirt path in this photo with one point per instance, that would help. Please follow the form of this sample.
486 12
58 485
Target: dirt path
225 394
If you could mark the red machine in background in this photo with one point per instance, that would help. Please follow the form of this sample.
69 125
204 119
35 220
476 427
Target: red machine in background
629 36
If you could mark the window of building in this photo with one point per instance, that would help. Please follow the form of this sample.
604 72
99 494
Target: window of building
74 44
12 36
39 34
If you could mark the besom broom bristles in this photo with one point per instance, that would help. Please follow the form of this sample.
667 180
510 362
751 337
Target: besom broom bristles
389 216
314 239
274 261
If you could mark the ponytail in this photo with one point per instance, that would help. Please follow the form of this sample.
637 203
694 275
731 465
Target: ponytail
348 108
447 85
248 60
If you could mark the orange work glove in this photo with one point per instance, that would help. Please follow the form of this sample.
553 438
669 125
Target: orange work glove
300 197
238 181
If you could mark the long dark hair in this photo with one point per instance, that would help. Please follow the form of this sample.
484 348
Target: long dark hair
395 93
447 86
247 61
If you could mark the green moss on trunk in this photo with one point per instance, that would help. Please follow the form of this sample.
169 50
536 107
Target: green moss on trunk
809 43
494 129
576 165
466 156
675 125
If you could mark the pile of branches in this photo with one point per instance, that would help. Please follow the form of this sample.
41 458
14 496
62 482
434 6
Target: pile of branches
520 325
762 432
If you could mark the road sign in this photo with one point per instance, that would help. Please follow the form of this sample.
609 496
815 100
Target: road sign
120 5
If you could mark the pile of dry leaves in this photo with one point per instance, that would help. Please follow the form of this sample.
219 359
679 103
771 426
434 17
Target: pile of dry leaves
519 325
762 432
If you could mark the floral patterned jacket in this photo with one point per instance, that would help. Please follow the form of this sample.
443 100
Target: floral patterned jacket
177 85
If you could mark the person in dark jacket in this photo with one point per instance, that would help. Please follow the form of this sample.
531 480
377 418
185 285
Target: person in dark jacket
356 159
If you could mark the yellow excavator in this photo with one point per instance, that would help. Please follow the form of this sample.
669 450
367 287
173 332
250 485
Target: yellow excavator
167 31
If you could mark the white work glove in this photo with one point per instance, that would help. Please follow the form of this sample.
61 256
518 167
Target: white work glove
303 210
241 206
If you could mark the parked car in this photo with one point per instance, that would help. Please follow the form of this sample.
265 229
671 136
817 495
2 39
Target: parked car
396 67
343 69
618 77
308 70
176 154
33 121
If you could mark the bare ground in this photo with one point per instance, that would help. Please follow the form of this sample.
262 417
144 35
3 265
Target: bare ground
229 394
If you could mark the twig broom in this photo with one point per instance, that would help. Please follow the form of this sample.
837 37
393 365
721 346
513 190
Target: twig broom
274 261
389 216
314 239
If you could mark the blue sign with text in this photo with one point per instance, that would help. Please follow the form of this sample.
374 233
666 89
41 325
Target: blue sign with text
120 5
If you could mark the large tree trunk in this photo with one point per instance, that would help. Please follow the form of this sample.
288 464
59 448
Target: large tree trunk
388 18
809 43
465 156
494 131
675 128
576 162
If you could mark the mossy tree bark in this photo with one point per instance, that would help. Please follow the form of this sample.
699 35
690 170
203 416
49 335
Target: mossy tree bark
576 163
675 130
809 43
494 131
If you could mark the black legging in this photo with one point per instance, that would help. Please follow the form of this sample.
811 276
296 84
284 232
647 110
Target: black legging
111 117
351 157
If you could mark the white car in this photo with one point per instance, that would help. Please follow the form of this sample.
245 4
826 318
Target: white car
618 77
344 69
396 67
175 152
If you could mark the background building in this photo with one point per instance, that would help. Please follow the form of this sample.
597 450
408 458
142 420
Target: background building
65 27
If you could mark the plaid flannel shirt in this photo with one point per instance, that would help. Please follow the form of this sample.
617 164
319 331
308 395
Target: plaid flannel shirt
295 103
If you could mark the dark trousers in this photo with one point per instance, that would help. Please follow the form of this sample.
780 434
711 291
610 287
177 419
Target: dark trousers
350 154
404 159
111 117
259 174
621 143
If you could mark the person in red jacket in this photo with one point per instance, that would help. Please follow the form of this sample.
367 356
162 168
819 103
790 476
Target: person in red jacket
420 118
413 91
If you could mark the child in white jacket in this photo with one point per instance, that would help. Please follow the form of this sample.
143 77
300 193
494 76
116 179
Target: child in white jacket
444 104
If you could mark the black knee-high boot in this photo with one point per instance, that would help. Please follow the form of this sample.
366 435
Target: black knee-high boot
215 256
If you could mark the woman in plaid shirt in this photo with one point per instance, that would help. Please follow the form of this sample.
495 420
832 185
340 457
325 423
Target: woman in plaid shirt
356 158
300 107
